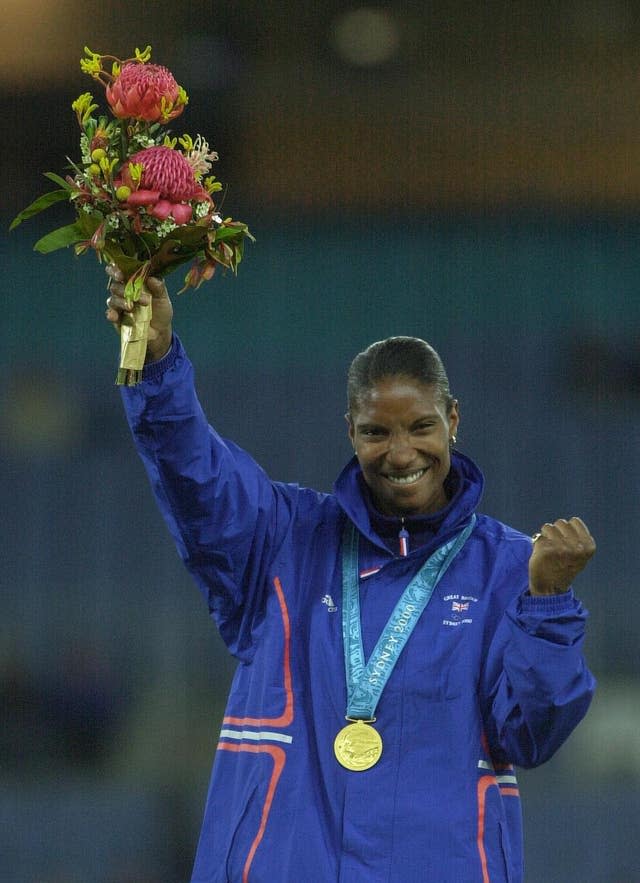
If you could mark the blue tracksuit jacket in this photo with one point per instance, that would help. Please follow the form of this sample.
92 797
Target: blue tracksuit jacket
489 678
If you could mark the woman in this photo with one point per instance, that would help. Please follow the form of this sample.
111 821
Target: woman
397 651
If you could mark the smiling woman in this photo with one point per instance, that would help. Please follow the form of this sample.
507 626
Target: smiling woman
402 424
444 660
402 435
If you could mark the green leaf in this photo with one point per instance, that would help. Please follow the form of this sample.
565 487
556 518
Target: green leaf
88 223
60 238
134 286
58 180
39 205
172 253
150 240
123 261
226 232
189 236
239 254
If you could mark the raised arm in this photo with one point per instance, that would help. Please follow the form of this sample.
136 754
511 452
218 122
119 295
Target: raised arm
227 518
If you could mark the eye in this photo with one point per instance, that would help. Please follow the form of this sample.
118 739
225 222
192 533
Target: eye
424 427
371 432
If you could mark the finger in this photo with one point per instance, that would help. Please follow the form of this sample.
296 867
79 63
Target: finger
559 527
571 533
579 525
114 273
569 529
544 532
156 286
583 535
116 288
574 529
116 319
562 529
548 534
119 303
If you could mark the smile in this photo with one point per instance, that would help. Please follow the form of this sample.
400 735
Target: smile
406 479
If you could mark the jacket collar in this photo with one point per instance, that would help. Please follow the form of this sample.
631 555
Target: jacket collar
464 484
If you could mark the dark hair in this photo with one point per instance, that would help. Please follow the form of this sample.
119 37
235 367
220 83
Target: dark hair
407 356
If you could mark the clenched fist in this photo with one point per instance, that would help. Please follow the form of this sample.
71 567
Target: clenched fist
560 551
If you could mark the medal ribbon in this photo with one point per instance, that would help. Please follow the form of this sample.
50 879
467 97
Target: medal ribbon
366 681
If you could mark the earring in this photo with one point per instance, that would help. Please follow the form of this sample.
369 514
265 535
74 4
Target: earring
452 441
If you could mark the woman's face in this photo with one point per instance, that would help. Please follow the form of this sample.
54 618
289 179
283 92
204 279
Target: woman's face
401 433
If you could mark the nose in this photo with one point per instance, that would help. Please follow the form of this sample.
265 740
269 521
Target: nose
401 452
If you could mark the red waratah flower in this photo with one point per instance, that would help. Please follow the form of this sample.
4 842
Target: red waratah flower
166 184
145 92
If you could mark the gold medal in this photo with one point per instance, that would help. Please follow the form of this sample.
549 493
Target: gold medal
358 746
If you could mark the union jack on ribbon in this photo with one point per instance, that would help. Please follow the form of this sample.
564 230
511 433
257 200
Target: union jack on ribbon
457 607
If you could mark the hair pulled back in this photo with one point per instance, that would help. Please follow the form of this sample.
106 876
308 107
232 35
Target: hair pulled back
404 356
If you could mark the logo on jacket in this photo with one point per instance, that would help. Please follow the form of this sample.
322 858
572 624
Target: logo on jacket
328 600
460 607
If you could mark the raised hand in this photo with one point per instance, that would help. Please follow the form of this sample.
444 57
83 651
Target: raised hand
118 310
560 551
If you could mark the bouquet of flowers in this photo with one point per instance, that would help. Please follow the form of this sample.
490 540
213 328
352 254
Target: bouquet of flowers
144 200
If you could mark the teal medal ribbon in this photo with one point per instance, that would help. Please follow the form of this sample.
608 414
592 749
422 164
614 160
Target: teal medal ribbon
366 681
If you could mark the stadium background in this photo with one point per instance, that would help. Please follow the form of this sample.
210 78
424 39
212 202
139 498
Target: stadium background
464 172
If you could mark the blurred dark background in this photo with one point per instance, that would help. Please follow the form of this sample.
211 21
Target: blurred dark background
463 172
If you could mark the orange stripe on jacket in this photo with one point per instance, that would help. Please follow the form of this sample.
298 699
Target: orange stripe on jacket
484 783
287 715
279 757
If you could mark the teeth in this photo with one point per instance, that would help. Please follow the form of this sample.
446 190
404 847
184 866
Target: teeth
406 479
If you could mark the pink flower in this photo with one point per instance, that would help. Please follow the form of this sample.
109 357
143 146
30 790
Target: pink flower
144 197
166 185
181 213
167 171
145 92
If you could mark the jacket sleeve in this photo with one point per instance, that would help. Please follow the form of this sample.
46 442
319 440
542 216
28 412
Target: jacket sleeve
537 686
226 517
